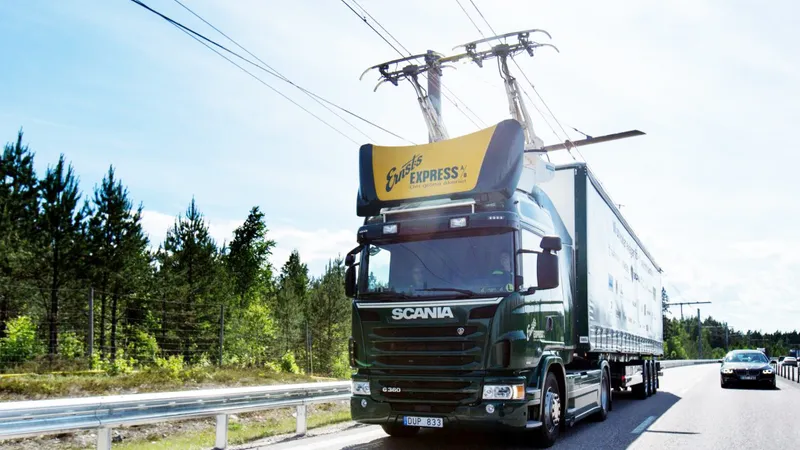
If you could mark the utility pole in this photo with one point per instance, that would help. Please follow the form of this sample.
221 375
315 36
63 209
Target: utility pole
686 303
699 336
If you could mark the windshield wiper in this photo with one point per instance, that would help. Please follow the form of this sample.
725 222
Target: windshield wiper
385 294
462 291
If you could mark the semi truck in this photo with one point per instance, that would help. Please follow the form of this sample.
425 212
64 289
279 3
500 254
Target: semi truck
485 300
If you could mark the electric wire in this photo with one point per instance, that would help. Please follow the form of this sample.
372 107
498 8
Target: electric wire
446 92
566 135
206 41
312 95
544 117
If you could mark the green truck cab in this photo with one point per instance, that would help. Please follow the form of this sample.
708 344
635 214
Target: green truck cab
476 302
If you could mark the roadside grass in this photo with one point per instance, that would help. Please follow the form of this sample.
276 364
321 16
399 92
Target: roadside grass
41 386
245 430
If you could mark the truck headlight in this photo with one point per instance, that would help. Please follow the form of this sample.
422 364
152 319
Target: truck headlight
504 392
361 388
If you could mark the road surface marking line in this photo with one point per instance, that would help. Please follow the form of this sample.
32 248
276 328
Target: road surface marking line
348 439
642 426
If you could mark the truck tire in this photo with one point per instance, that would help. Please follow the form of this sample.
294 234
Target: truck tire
640 390
654 371
547 434
605 397
399 431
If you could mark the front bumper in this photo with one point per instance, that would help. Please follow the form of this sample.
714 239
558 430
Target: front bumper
737 377
506 414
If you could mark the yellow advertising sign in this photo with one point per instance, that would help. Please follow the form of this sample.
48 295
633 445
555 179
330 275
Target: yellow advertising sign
438 168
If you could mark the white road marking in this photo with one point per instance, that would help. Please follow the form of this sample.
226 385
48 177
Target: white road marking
343 441
642 426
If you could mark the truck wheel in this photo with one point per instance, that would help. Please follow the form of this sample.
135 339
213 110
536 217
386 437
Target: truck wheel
605 397
395 430
641 390
547 434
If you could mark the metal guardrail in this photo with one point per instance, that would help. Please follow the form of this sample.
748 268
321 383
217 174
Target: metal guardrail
38 417
670 363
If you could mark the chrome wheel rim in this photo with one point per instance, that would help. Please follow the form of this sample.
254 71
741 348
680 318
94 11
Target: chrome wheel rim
552 412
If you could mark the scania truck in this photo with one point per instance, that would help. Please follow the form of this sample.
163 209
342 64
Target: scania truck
481 303
491 288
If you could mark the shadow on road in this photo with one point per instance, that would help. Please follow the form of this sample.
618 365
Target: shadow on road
615 432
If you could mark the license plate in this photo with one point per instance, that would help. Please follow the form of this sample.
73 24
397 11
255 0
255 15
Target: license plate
748 377
426 422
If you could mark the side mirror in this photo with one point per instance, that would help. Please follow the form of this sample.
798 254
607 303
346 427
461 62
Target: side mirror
547 270
350 257
551 243
350 282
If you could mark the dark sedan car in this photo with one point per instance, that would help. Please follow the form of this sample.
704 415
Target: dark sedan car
750 366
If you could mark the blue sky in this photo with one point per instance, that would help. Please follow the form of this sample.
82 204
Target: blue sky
710 189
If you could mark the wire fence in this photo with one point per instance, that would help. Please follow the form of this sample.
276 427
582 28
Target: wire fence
92 329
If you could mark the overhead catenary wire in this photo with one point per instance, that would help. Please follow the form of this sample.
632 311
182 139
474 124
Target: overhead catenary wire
547 122
524 75
446 92
314 96
210 43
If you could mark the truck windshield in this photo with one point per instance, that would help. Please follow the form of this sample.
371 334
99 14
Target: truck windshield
455 267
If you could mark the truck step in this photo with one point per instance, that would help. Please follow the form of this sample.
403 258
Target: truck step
533 424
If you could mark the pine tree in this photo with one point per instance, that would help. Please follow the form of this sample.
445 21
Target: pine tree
59 233
291 306
330 316
19 196
117 253
192 283
247 258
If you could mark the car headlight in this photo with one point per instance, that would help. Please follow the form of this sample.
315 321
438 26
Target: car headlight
361 388
504 392
727 370
767 371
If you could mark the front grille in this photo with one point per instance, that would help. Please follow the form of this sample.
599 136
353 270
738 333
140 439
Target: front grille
427 391
425 332
747 371
426 384
446 346
429 396
427 360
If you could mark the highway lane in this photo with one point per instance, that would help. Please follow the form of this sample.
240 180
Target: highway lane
690 411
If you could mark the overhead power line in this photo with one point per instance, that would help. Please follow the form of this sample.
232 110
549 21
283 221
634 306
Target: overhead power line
446 92
312 95
524 91
210 43
524 75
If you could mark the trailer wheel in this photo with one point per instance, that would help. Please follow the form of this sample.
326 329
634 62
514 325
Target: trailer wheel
641 390
654 371
649 366
547 434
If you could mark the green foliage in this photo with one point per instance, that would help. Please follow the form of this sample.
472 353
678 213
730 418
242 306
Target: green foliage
288 363
249 335
172 366
247 258
70 345
143 347
119 365
20 343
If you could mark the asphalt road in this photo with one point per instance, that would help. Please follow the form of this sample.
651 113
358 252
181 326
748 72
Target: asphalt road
690 411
